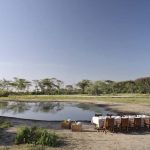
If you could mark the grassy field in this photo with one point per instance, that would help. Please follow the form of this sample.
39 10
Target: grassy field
120 98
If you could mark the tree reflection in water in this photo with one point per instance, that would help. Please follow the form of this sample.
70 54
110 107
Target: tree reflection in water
3 105
15 107
52 107
19 107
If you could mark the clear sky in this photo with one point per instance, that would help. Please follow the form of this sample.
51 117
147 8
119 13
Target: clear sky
75 39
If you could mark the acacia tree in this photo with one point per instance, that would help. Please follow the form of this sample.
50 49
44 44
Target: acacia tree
55 86
21 84
109 86
5 84
36 86
59 85
83 84
96 88
69 89
46 85
143 85
130 87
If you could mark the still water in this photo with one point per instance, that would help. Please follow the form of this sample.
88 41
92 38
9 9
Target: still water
50 111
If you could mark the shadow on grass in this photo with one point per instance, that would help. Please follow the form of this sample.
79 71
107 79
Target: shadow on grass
133 132
6 138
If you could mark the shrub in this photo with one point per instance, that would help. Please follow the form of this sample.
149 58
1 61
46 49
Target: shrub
47 139
4 93
23 135
37 136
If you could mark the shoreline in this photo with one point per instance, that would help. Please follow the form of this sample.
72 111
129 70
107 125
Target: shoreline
36 120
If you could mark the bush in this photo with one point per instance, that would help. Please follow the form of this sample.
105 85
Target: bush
36 136
47 139
4 93
23 135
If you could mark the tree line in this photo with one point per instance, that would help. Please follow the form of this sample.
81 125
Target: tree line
53 86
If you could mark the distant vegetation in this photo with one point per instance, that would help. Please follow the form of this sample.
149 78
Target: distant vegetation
53 86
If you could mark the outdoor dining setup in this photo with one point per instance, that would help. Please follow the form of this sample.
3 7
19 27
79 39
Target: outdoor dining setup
113 123
73 125
121 123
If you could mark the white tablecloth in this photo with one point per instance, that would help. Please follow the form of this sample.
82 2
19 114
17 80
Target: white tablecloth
99 121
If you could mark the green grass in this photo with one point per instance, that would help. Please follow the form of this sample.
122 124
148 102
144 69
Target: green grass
37 136
121 98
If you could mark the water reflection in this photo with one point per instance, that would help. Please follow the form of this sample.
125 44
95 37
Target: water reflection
48 107
50 110
21 107
18 107
3 105
15 107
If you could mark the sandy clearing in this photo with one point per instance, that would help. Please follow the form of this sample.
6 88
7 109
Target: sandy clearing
90 139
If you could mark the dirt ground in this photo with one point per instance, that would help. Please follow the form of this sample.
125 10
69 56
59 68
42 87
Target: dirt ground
130 108
89 139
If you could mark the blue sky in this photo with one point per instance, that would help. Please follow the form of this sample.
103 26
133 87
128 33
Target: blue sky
75 39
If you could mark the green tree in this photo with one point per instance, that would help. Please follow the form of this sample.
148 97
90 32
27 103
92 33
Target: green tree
57 85
5 85
36 86
143 85
21 84
96 88
47 85
83 84
69 89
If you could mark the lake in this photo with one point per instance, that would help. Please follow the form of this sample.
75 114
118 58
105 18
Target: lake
51 111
